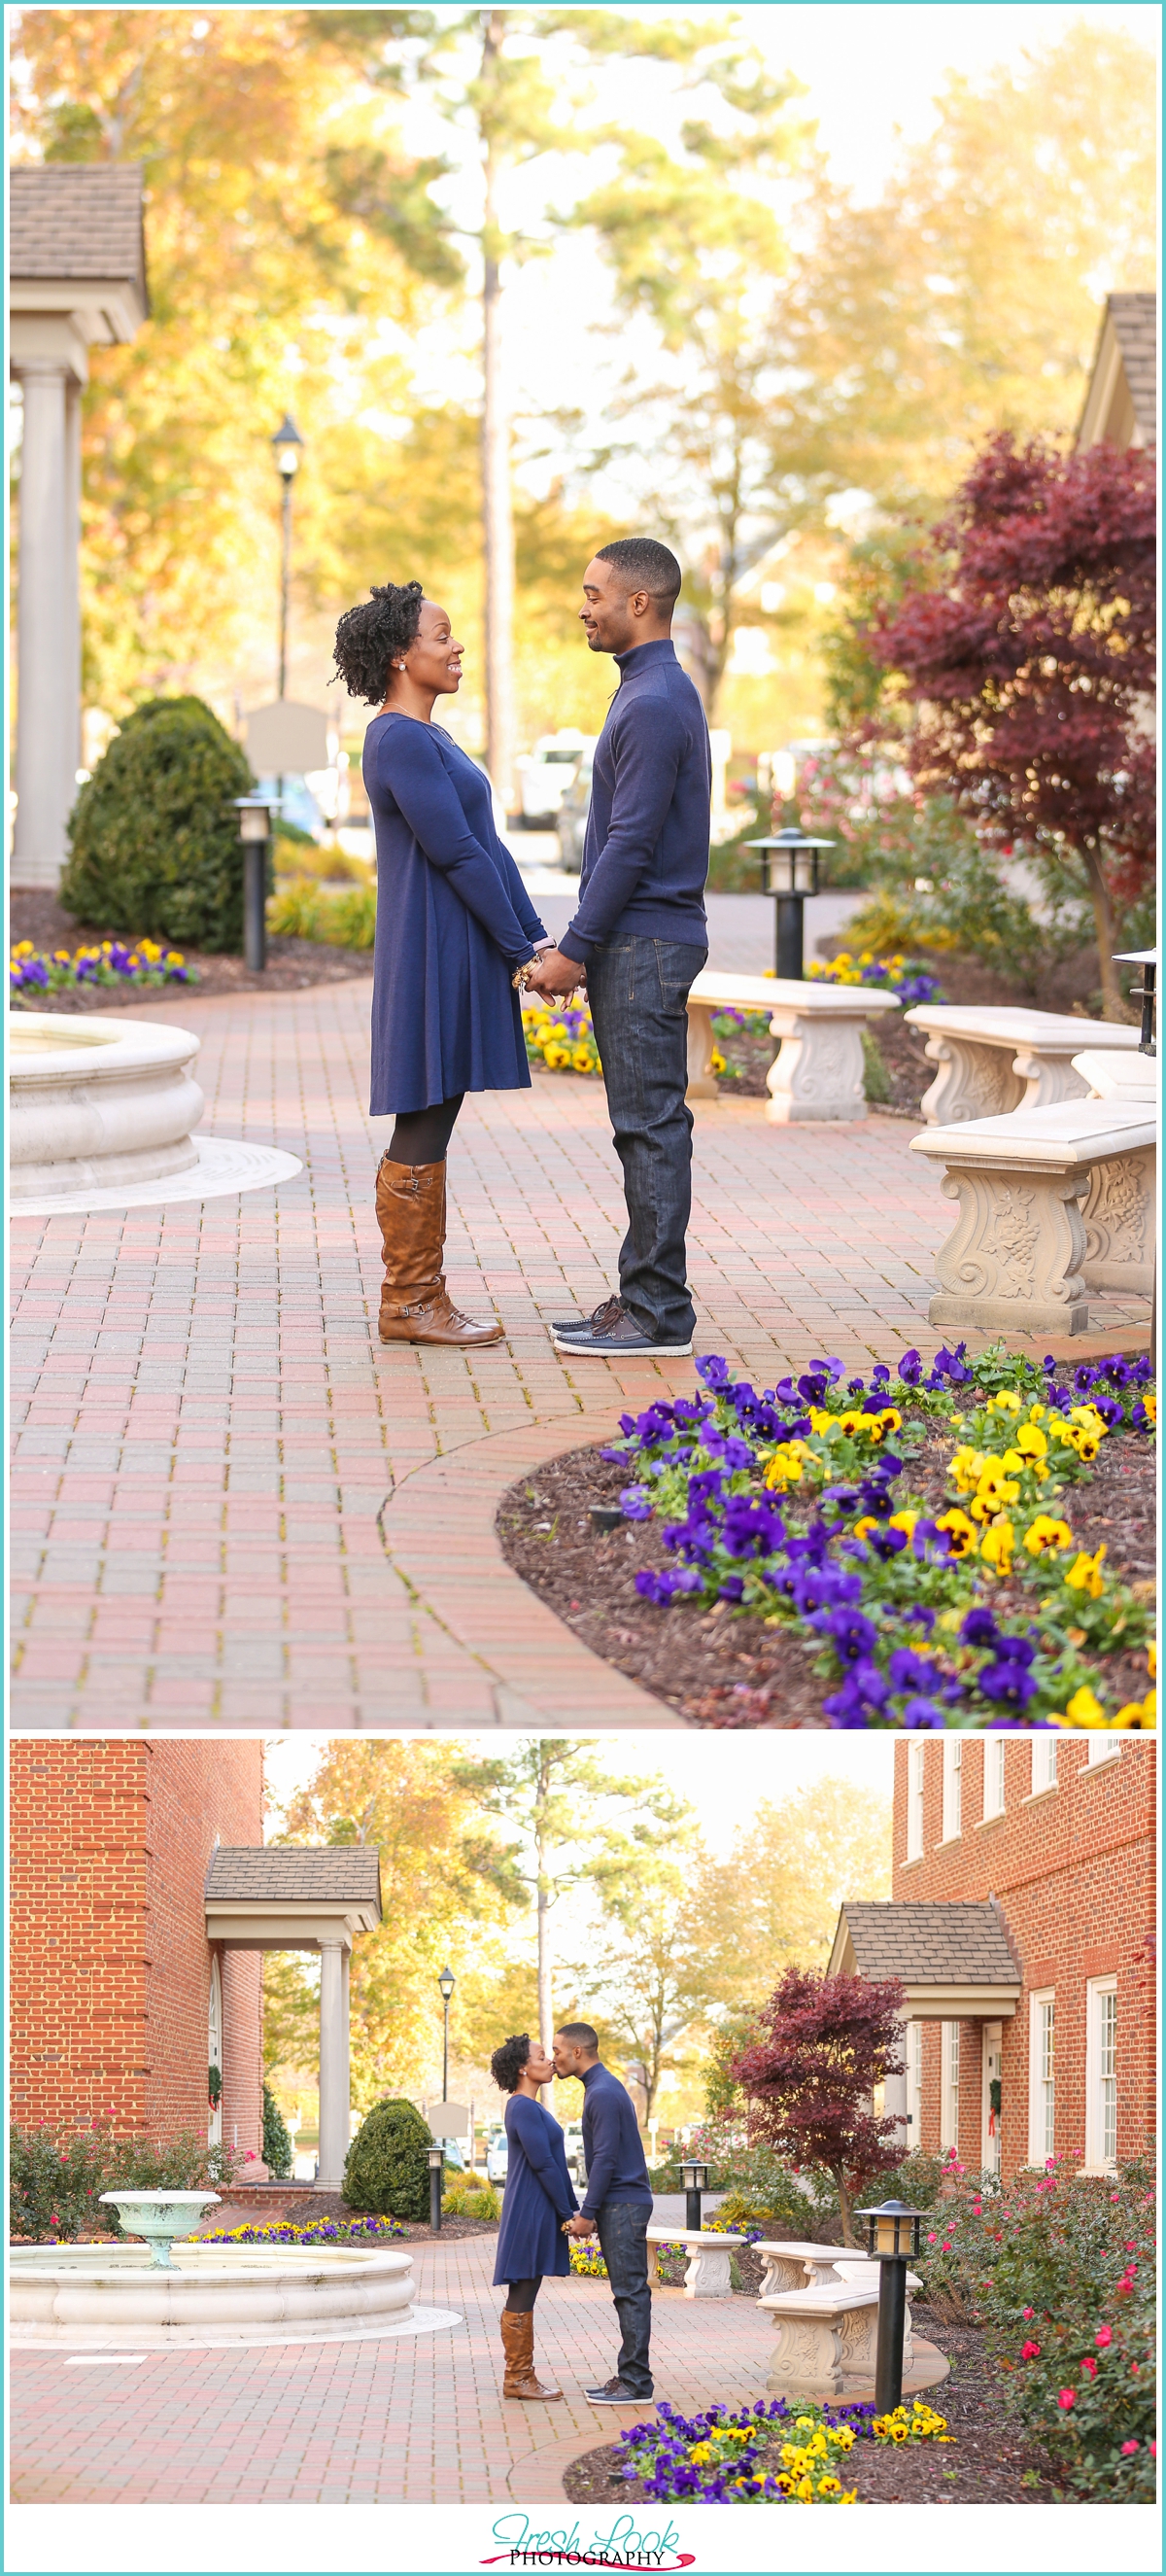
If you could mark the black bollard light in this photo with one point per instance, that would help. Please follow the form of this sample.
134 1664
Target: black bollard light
790 872
888 2230
254 832
436 2182
695 2178
1147 959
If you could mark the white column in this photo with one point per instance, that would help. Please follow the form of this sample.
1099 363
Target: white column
46 715
334 2079
895 2096
73 565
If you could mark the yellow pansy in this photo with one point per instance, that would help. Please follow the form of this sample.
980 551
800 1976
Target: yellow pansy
904 1521
785 1466
1152 1660
1085 1575
1138 1712
997 1545
1084 1709
1044 1532
1005 1403
1031 1442
962 1532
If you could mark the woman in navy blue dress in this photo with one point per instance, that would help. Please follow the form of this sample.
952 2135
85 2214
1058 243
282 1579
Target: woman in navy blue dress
455 928
538 2198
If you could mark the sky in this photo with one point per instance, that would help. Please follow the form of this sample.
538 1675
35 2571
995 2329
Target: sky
725 1776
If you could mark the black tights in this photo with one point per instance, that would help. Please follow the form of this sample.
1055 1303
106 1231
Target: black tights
422 1135
521 2296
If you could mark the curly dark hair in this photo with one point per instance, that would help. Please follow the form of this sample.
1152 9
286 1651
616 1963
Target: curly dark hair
367 637
507 2062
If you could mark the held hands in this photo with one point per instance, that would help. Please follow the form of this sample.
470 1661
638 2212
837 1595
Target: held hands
553 976
578 2226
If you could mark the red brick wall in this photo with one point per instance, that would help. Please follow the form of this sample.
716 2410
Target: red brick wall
110 1966
1074 1871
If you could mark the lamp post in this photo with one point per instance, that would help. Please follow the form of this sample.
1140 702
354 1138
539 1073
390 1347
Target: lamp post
436 2170
287 444
447 1981
695 2178
1147 959
887 2230
789 873
254 815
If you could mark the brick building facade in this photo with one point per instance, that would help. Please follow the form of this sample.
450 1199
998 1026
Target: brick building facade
1055 1835
118 2001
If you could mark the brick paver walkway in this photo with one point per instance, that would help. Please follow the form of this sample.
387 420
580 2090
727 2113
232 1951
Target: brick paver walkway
233 1507
410 2419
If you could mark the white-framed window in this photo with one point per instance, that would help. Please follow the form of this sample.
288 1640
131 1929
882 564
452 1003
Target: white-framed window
953 1758
994 1774
949 2087
1042 2076
914 2036
1102 1748
916 1756
1044 1762
1101 2074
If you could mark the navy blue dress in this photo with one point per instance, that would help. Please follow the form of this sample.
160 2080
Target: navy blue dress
539 2195
453 921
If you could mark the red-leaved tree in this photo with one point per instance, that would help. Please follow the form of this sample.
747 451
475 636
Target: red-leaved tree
809 2082
1033 663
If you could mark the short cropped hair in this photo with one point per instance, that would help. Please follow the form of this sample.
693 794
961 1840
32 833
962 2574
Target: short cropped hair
582 2034
507 2062
643 564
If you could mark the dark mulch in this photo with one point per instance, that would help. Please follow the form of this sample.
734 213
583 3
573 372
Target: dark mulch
724 1669
985 2464
292 964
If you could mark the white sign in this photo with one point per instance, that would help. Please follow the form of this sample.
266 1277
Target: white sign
286 739
447 2119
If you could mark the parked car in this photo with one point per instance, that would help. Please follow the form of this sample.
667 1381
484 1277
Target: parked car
497 2155
571 819
573 2145
545 774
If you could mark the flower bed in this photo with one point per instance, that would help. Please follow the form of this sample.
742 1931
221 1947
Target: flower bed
776 2454
1060 2266
315 2231
900 975
113 962
797 1505
562 1039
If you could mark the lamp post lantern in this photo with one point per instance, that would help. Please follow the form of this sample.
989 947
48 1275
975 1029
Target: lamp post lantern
254 815
889 2227
1147 959
436 2171
447 1981
287 444
789 873
695 2178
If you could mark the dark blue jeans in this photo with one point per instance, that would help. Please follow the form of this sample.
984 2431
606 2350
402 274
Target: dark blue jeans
622 2229
638 991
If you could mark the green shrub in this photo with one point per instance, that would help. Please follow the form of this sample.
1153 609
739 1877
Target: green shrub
388 2162
876 1081
57 2176
1059 2266
469 2199
278 2152
154 837
304 909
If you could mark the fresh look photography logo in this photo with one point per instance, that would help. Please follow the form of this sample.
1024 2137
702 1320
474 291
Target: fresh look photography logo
519 2544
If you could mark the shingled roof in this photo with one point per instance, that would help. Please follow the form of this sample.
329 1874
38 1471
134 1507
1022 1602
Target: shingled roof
1121 399
932 1945
263 1874
77 219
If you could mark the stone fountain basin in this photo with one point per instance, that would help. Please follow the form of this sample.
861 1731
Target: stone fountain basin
111 2294
98 1103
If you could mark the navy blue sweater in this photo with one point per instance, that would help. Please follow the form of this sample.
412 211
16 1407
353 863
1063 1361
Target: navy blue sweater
646 847
612 2151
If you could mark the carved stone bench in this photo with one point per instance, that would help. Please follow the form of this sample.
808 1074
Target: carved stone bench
1054 1204
826 2336
994 1060
708 2275
792 2265
819 1072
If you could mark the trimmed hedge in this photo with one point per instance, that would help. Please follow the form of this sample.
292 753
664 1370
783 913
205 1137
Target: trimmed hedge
388 2163
154 837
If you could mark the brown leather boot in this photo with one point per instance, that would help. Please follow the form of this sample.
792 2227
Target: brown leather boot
518 2346
411 1216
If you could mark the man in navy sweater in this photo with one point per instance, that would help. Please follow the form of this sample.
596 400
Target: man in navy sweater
617 2207
639 937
